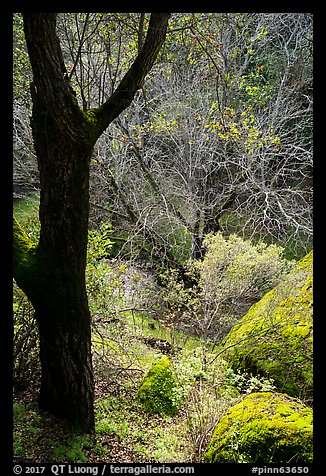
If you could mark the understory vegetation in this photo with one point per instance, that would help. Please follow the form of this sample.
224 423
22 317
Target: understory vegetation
137 322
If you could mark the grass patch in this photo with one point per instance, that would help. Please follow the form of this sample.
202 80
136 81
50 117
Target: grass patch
27 428
26 207
74 450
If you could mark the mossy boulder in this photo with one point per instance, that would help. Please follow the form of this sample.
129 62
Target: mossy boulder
158 392
274 339
264 427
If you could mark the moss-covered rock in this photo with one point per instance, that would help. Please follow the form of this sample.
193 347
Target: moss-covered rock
274 339
263 427
158 391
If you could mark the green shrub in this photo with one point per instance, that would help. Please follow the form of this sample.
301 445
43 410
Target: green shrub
104 285
264 427
99 243
234 274
246 383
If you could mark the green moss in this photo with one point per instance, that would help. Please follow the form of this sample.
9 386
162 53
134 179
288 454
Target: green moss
36 274
74 451
24 256
274 339
263 427
21 242
91 125
158 391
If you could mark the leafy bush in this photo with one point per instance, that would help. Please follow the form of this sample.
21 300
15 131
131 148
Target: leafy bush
234 274
99 243
246 383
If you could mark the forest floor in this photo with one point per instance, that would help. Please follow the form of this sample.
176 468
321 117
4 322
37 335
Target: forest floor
125 345
130 330
124 432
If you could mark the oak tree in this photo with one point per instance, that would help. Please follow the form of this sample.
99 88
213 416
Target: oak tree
52 273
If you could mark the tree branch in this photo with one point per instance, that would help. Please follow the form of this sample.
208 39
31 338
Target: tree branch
51 85
50 88
134 78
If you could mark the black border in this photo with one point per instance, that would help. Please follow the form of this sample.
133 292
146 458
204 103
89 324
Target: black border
6 332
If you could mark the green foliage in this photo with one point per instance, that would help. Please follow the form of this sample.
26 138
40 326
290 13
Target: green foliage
175 294
73 451
234 274
104 288
108 421
246 383
27 428
99 243
104 283
241 127
253 89
233 267
163 445
263 427
18 409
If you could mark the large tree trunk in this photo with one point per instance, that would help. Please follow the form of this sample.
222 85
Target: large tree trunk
56 284
52 274
62 310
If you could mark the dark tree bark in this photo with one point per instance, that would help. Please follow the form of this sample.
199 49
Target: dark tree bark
52 274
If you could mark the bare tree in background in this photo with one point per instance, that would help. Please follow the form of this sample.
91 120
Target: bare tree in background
223 142
220 137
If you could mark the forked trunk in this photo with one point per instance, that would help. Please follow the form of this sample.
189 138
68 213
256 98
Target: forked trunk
52 274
